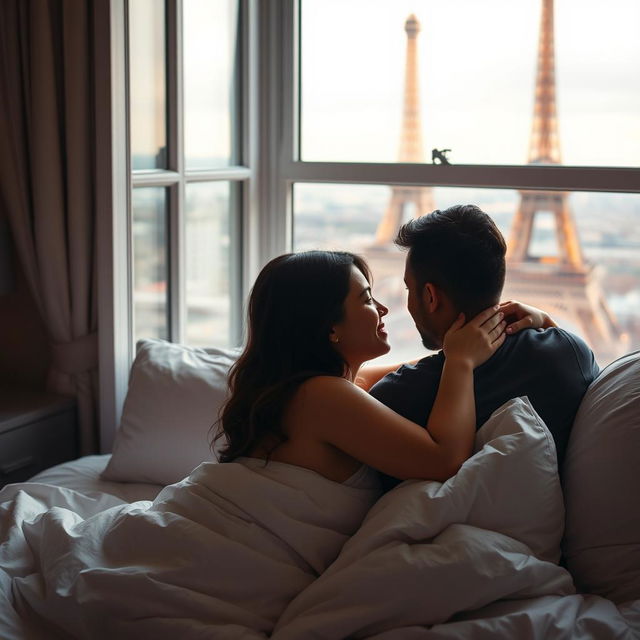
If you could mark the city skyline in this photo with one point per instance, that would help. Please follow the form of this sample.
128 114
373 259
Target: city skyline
330 216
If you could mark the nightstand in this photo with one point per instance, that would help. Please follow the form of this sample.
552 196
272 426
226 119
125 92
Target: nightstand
37 430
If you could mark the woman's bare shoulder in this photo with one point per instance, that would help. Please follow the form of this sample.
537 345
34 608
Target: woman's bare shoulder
320 386
331 398
321 397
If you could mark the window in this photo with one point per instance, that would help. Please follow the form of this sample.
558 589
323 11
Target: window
185 105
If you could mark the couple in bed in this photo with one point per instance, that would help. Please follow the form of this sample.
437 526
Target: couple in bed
300 397
236 550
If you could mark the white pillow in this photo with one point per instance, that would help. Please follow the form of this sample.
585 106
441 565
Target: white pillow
602 485
510 485
173 399
512 480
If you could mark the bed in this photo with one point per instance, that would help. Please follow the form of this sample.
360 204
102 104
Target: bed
502 550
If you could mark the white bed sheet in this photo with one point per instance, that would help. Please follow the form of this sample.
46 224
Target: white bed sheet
83 475
565 616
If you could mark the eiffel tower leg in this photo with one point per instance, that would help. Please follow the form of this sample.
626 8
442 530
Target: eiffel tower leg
521 231
568 241
613 328
424 201
390 223
602 320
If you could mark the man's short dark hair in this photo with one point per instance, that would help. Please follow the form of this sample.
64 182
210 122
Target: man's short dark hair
461 251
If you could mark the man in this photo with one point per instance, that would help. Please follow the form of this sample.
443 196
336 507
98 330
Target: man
456 263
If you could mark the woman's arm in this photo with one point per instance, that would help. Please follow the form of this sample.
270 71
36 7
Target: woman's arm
452 421
349 419
523 316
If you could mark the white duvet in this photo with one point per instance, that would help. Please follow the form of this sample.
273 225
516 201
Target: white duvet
230 553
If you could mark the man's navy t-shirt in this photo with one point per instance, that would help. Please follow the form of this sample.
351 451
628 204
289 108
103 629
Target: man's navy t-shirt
552 367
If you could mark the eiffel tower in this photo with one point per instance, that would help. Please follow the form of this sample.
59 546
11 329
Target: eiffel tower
410 146
564 284
383 256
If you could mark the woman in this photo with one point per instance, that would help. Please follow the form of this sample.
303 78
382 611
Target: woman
312 324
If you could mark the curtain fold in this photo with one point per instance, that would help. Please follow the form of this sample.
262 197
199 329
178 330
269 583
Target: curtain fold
47 182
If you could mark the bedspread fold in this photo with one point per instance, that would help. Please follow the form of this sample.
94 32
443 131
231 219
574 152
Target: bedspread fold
219 554
428 550
246 551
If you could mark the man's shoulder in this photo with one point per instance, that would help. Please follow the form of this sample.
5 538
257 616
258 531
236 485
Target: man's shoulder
427 366
563 348
409 375
549 340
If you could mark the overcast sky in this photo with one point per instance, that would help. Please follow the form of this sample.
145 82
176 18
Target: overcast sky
477 64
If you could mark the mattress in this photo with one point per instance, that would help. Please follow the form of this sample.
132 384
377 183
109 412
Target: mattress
83 475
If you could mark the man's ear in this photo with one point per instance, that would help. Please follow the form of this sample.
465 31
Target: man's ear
431 297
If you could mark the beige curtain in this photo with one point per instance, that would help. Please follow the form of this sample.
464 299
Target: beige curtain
47 182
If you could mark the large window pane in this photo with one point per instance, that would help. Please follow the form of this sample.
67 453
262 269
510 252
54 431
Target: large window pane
597 298
475 71
210 34
207 263
147 84
150 264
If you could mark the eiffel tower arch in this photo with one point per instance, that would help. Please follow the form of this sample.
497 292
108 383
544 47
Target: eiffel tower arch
565 284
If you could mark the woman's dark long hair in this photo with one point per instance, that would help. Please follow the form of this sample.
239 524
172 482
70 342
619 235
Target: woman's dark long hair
294 303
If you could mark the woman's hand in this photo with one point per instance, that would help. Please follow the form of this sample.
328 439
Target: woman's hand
520 316
475 342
